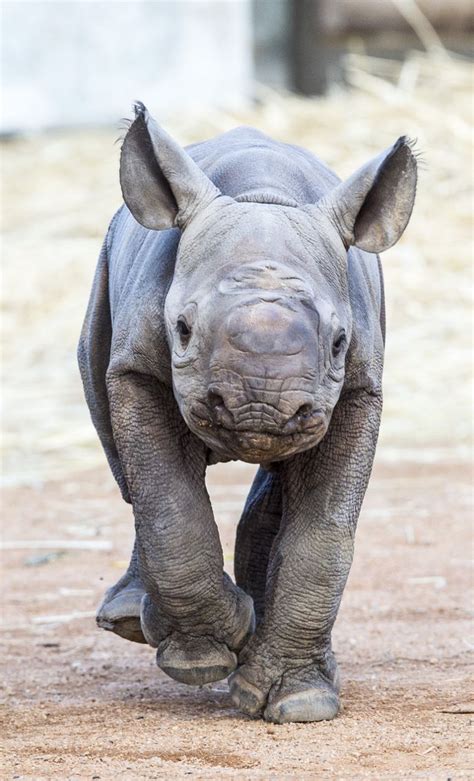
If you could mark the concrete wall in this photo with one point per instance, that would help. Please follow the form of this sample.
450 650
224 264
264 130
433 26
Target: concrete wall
76 62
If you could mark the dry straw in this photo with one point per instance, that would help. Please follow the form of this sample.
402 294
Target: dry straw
62 188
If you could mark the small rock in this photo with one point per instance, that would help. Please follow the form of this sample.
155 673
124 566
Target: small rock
43 558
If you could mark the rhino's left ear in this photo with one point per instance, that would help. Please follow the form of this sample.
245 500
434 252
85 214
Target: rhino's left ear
161 184
371 209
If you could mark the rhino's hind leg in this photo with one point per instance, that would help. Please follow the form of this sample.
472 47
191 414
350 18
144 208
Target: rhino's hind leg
256 533
120 609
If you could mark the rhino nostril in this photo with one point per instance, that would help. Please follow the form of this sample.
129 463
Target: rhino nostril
215 400
304 411
220 413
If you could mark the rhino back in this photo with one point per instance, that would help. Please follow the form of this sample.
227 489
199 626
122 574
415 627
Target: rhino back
245 161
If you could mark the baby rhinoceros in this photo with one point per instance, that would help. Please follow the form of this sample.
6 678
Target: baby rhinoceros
237 312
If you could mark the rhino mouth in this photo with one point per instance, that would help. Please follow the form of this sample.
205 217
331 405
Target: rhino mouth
307 421
257 444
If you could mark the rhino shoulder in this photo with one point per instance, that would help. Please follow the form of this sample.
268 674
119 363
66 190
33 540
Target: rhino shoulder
141 266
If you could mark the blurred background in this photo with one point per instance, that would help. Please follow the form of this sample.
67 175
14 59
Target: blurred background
343 78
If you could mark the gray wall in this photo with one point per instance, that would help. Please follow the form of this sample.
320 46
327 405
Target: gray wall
77 63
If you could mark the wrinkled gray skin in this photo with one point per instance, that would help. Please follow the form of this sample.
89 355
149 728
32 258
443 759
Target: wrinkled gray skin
237 313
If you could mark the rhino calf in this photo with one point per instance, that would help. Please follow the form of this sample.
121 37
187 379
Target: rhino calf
237 313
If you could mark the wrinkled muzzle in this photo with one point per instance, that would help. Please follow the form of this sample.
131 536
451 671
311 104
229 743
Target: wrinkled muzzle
260 402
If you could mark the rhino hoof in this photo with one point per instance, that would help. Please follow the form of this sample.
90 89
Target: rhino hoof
245 695
121 614
195 660
312 703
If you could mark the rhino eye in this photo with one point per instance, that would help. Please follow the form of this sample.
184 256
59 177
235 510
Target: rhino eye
183 330
338 343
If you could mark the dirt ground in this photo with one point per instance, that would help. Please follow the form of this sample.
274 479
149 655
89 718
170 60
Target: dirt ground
82 703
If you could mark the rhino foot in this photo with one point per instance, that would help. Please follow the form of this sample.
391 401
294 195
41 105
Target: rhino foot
195 660
201 654
120 611
299 695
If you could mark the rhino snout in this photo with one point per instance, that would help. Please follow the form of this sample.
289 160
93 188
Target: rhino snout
298 415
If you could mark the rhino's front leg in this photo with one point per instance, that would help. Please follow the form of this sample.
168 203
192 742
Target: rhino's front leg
288 670
192 612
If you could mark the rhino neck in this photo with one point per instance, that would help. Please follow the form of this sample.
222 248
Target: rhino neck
269 195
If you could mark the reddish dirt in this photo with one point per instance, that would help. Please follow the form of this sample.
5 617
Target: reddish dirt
82 703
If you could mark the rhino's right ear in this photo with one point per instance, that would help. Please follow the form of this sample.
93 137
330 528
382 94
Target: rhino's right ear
161 184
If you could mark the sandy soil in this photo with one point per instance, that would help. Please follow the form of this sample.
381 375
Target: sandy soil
82 703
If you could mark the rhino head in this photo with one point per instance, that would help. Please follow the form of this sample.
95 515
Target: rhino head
258 315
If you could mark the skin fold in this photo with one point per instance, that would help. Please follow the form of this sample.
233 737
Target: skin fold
237 313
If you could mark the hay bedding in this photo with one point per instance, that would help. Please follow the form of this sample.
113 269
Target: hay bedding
60 190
